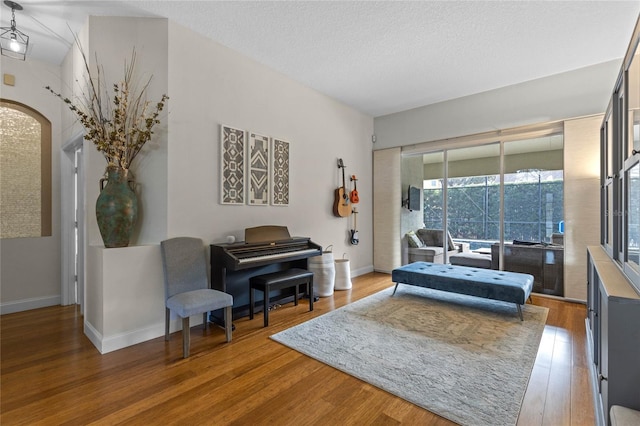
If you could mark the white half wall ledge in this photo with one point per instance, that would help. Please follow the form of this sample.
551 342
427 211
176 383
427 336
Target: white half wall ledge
29 304
124 296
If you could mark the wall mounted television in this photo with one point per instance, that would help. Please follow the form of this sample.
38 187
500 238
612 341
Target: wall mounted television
413 198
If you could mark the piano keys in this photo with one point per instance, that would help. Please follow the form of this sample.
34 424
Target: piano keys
265 249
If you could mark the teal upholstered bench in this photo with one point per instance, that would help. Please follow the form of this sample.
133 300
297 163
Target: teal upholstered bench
488 283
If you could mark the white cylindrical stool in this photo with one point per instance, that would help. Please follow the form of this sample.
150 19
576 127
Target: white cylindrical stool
343 274
324 273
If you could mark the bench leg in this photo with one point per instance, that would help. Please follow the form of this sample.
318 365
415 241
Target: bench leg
520 311
310 293
295 296
265 305
251 302
394 289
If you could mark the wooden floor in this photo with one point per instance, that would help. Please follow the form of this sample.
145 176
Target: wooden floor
52 374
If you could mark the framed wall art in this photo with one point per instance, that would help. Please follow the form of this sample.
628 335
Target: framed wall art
279 172
258 174
232 165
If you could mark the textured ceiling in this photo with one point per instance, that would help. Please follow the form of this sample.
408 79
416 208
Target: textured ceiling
379 57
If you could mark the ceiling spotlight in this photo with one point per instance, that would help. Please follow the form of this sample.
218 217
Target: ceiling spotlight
13 42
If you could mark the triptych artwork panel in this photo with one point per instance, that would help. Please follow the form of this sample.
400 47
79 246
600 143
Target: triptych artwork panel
254 169
280 187
232 146
258 170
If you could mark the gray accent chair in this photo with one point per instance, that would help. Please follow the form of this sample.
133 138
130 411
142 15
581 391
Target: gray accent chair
186 287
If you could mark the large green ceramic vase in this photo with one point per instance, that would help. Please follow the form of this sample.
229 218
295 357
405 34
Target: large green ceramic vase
116 208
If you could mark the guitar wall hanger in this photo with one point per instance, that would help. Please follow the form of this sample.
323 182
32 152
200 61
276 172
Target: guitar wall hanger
355 199
341 207
354 232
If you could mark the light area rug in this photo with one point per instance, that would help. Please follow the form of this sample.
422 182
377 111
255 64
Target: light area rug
464 358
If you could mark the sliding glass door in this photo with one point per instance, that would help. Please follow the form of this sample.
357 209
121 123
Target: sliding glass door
533 211
434 207
473 196
502 203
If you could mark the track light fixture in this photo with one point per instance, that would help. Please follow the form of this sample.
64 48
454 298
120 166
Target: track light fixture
13 42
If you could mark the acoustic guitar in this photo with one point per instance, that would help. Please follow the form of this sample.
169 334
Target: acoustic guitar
355 199
354 231
341 206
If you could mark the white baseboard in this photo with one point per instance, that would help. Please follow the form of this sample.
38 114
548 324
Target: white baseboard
362 271
28 304
93 335
124 340
133 337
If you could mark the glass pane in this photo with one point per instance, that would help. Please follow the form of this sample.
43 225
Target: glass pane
433 190
533 189
609 146
609 222
633 97
533 211
619 147
433 202
633 215
473 197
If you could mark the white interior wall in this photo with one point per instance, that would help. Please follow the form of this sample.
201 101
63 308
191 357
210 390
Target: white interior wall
30 267
114 276
211 85
577 93
113 40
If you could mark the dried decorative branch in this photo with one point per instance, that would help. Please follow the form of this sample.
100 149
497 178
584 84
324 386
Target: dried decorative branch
120 128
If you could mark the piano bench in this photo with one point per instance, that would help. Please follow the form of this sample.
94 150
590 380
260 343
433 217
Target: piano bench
277 281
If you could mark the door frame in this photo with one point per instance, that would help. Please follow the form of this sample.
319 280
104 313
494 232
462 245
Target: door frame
69 192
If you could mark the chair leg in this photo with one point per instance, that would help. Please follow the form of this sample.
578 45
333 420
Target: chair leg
228 322
205 322
167 316
186 338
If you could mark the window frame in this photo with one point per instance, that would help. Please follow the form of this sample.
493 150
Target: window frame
627 157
